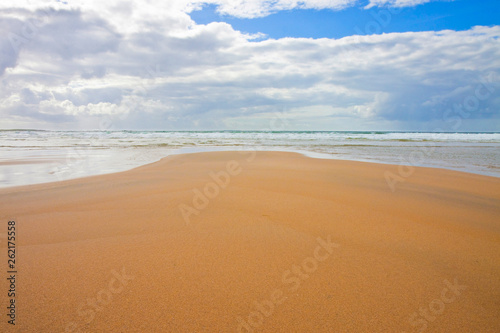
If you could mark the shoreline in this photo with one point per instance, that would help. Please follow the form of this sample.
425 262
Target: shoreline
81 153
57 162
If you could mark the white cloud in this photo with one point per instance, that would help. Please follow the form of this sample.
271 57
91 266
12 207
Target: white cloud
259 8
399 3
140 15
158 69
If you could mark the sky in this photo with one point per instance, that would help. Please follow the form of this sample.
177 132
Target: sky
406 65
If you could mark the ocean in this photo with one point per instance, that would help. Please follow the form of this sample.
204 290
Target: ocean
33 156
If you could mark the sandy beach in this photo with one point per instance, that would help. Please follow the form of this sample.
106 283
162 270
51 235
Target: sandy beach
255 242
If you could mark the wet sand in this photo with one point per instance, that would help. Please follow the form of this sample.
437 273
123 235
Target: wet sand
255 242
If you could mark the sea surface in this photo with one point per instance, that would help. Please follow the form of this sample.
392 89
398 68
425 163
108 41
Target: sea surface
32 156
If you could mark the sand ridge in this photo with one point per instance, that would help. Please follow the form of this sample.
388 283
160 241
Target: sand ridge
115 253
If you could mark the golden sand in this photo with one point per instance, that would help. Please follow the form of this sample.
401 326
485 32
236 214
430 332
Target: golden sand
273 242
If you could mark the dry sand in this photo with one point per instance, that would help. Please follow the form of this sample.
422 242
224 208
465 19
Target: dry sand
113 253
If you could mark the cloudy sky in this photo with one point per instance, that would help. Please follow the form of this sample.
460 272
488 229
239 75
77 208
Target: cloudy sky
238 64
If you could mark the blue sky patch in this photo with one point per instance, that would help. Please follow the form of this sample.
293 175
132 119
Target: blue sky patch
309 23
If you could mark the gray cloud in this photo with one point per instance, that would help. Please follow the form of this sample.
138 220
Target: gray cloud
8 51
70 34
